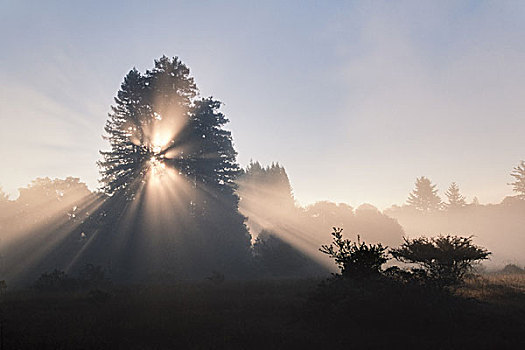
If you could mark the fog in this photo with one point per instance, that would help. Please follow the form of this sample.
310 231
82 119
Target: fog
51 225
267 200
499 227
262 174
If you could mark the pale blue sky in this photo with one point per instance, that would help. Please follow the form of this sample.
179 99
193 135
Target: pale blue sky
356 99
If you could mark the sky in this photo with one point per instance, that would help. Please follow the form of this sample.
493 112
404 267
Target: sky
356 99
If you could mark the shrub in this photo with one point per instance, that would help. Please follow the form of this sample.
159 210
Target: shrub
56 281
355 259
445 260
216 277
512 269
98 296
92 277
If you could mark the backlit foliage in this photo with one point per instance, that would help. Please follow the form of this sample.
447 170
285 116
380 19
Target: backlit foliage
445 259
355 259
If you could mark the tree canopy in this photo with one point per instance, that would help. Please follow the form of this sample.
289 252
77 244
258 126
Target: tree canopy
445 259
170 157
424 197
355 259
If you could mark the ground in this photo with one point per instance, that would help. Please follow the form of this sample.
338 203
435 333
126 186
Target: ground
486 313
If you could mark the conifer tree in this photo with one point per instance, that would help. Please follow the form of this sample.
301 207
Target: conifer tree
518 174
424 197
160 125
270 183
140 105
150 104
455 199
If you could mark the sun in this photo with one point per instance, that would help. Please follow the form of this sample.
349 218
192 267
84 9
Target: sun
157 166
156 162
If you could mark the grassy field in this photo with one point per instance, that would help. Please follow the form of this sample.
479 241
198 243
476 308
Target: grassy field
495 286
487 313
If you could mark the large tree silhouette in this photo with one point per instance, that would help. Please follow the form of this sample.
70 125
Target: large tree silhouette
133 125
172 162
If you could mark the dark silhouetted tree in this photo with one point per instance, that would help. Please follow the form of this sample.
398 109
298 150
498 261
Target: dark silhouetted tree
355 259
455 199
143 101
424 197
518 173
446 260
159 126
156 121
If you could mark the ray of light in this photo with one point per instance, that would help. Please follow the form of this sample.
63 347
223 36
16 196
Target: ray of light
34 242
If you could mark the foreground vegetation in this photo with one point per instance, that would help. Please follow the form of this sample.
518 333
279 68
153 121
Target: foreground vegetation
485 313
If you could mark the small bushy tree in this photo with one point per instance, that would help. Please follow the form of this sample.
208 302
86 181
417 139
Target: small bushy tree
446 260
355 259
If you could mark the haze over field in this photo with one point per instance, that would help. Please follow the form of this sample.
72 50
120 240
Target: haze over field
262 174
355 99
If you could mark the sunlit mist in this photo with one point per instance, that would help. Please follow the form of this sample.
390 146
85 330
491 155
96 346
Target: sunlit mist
262 175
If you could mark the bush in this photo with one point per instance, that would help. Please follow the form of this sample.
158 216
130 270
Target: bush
3 287
444 260
216 277
56 281
98 296
92 277
355 259
512 269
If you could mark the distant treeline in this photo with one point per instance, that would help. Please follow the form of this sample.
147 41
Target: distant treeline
267 200
174 201
500 227
285 236
46 227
